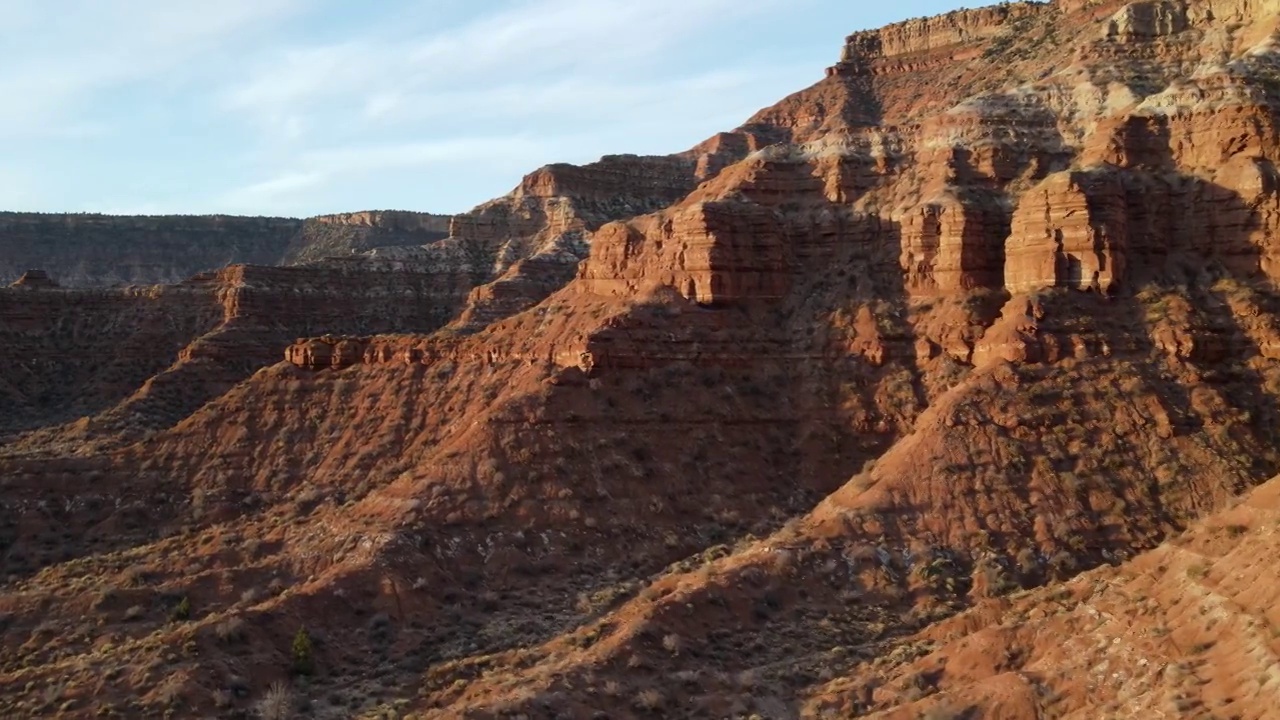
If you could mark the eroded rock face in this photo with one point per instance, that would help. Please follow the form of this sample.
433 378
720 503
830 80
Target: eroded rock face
1069 231
952 245
142 358
347 234
35 280
1144 21
930 40
709 252
102 250
986 307
1068 176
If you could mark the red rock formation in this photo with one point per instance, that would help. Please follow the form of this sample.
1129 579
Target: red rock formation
1069 231
985 308
34 280
390 220
952 245
954 37
709 252
150 356
101 250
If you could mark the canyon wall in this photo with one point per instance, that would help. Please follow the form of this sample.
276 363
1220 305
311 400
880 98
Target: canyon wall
348 234
752 429
125 361
101 250
86 250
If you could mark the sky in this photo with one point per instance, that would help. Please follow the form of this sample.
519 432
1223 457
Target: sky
304 107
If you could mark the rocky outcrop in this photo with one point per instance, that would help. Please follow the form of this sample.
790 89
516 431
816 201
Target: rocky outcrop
101 250
520 248
1143 21
86 250
1069 231
944 38
987 307
1150 20
615 185
134 360
398 220
34 280
561 199
714 252
326 352
952 245
348 234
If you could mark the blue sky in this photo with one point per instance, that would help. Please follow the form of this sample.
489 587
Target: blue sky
301 107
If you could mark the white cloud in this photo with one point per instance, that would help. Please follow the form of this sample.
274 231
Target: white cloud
272 188
318 168
477 92
59 55
531 46
253 106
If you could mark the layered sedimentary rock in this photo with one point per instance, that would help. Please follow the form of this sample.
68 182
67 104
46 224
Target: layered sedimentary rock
904 46
1150 20
1069 231
986 307
347 234
34 280
389 220
102 250
952 245
521 247
559 199
71 353
713 252
85 250
138 359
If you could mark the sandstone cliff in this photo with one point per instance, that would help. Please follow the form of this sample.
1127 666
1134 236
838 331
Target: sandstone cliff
348 234
784 425
121 363
87 250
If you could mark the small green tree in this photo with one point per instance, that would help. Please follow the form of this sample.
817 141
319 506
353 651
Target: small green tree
182 611
303 660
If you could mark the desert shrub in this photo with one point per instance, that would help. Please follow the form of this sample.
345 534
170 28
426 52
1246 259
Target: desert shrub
673 643
231 630
301 652
277 703
650 700
182 612
1062 565
134 576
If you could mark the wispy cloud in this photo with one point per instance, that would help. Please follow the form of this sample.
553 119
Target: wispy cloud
300 106
275 187
315 169
59 55
532 46
477 91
